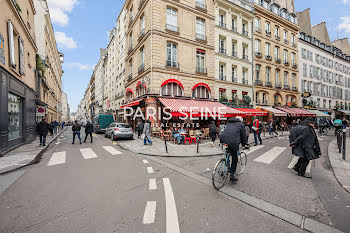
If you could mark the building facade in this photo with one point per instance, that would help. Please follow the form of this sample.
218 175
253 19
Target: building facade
233 50
325 68
49 61
17 73
276 70
65 108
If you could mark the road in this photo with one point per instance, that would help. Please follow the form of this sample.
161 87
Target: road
101 188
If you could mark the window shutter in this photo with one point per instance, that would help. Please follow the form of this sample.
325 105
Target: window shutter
11 44
22 68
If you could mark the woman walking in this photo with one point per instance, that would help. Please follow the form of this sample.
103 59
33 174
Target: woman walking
147 133
213 132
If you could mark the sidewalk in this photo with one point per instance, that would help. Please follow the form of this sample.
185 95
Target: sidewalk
158 147
26 154
341 168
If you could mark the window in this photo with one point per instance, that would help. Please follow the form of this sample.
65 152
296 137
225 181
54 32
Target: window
257 24
244 76
222 93
142 56
222 45
171 19
222 72
257 68
15 116
293 58
130 41
285 78
293 39
200 29
222 20
244 29
285 35
257 46
268 72
267 28
233 75
201 61
277 77
304 69
142 24
267 49
130 68
172 89
277 32
285 56
277 52
201 92
171 55
233 22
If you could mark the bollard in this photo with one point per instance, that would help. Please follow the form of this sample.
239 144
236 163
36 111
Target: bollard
344 143
166 145
197 144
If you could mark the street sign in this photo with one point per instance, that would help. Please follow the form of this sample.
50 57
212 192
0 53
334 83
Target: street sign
40 111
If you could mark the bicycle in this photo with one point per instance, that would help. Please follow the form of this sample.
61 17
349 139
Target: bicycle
222 168
323 131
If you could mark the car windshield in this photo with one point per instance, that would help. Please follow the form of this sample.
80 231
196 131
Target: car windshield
123 126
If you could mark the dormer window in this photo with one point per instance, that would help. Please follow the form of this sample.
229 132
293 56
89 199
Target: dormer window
265 4
275 8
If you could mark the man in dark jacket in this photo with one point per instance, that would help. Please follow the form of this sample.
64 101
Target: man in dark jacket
305 145
139 128
257 128
76 131
88 130
213 131
42 128
233 135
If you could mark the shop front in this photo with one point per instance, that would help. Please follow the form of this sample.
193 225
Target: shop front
18 107
275 114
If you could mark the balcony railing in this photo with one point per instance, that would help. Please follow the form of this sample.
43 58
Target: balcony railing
141 3
222 50
234 54
286 41
261 102
286 87
244 81
222 77
258 82
268 84
268 33
201 37
294 89
222 24
244 33
234 29
234 80
277 37
201 6
294 44
201 70
129 77
268 57
141 68
294 65
172 64
130 49
278 85
131 20
258 54
142 33
245 57
257 29
286 63
278 60
171 28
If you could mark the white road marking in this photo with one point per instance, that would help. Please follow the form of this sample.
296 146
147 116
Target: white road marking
88 153
152 184
293 162
144 161
308 168
172 222
270 155
149 169
57 158
150 212
254 148
112 150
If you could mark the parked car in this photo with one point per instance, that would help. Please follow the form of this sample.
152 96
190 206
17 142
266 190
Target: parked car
119 131
101 122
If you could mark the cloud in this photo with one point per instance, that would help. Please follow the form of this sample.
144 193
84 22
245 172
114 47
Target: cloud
345 25
64 41
345 1
59 9
80 66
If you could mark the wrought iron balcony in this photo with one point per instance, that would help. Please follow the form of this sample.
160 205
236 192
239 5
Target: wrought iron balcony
222 77
245 33
234 29
201 70
294 89
129 77
141 3
286 41
142 33
258 54
201 37
171 28
257 29
268 57
294 65
222 24
268 84
141 68
286 87
258 82
172 64
277 37
222 51
278 60
234 80
244 81
245 57
286 63
234 54
268 33
201 6
278 85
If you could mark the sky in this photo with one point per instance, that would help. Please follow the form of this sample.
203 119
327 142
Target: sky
81 29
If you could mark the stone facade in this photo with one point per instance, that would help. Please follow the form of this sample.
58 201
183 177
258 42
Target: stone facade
276 55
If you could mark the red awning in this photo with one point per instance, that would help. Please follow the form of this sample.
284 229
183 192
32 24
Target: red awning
274 111
296 112
134 103
198 108
252 112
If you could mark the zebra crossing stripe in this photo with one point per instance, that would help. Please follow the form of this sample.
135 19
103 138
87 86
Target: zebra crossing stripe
293 162
112 150
270 155
88 153
57 158
150 212
255 148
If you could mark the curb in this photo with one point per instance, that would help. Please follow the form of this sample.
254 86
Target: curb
331 161
37 158
183 156
293 218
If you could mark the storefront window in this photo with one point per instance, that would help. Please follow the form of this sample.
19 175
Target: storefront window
15 116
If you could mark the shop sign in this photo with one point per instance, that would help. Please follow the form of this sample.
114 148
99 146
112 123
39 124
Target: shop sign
40 111
2 49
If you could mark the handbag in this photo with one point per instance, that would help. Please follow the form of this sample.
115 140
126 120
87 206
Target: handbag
143 136
254 128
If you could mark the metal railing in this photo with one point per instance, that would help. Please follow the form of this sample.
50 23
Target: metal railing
201 70
172 64
201 5
201 37
245 57
171 28
222 77
234 54
222 50
222 24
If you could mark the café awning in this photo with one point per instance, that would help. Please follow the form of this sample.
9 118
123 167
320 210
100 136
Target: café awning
275 112
318 113
346 112
131 104
252 112
296 112
182 107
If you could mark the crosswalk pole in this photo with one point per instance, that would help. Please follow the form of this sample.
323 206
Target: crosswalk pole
344 143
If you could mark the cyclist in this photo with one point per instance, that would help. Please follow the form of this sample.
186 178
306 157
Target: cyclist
322 125
233 135
338 124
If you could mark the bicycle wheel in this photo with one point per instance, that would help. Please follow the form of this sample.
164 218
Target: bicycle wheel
241 164
220 174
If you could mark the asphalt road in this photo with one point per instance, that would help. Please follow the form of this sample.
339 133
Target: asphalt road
88 188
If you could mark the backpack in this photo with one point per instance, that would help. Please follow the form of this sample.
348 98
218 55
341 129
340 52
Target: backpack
338 123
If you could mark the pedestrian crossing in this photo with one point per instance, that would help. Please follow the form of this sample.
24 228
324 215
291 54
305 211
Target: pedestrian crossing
59 158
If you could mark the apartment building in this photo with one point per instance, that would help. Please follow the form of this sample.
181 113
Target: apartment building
98 84
325 67
65 108
233 50
50 78
276 70
17 73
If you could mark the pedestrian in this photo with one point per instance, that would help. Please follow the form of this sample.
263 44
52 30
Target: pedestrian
51 128
247 130
42 128
213 132
257 128
76 131
305 145
273 127
88 130
55 126
233 135
63 124
147 133
140 126
222 127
